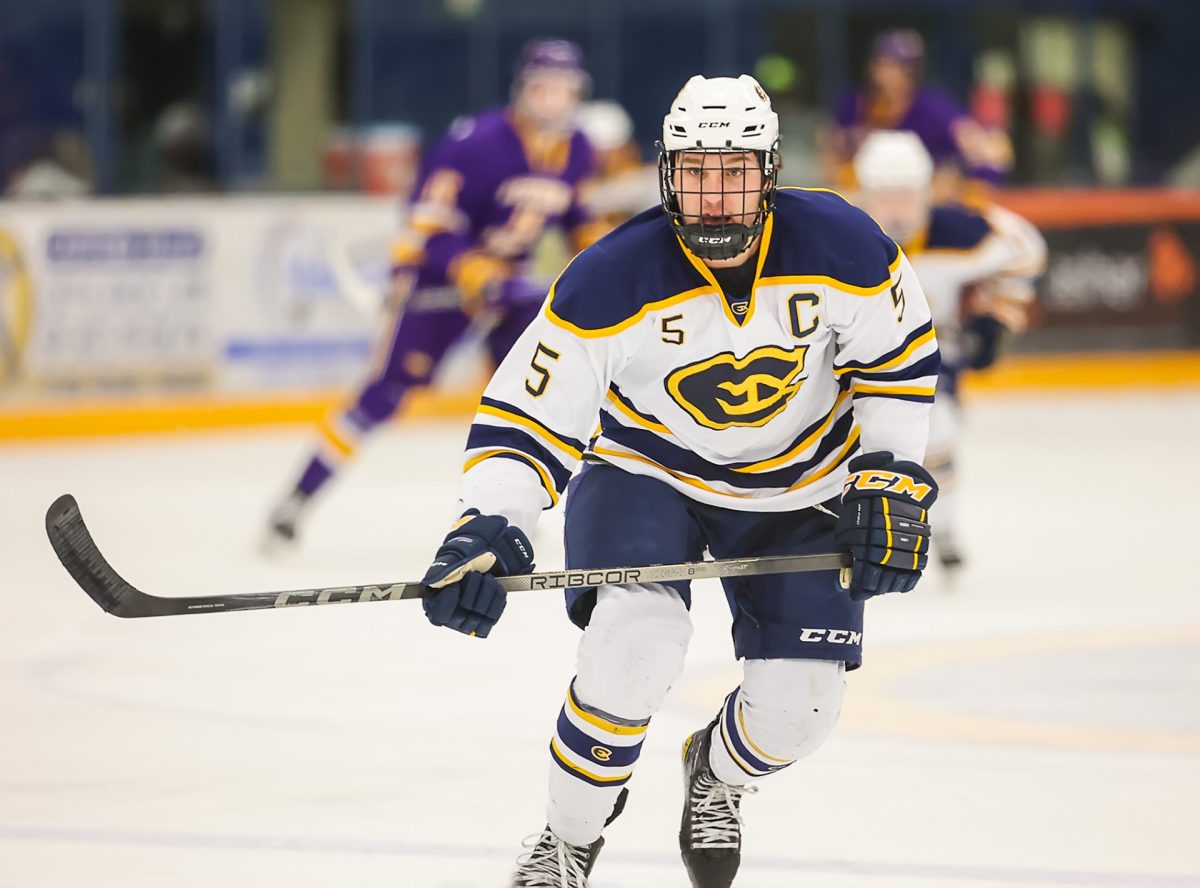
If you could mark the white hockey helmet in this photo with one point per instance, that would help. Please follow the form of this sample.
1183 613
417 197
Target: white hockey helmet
894 172
719 114
893 159
605 123
722 113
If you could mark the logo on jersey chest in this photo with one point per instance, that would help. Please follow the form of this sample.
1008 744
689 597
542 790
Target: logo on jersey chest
726 391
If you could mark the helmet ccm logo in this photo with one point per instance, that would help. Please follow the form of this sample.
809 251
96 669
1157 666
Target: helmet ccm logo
713 124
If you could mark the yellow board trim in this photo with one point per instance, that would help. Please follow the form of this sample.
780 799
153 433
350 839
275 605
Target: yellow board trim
1023 375
602 723
540 430
102 418
547 484
1089 371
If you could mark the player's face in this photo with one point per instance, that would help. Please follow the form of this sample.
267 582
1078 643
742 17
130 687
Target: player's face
891 77
549 99
718 188
901 212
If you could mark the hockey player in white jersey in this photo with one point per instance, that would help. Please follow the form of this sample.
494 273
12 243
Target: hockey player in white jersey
761 364
977 267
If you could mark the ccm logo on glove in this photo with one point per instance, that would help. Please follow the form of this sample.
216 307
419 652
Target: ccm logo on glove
893 481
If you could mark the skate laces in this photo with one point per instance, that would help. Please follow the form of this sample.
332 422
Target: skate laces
716 816
551 863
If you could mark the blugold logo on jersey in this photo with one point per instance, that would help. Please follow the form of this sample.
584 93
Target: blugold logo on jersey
726 391
601 753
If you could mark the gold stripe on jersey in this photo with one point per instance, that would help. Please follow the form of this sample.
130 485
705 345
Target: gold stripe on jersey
696 482
917 390
547 484
840 286
776 461
629 321
901 358
537 428
706 273
637 417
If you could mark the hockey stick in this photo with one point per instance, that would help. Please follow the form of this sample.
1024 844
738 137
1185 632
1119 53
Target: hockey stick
81 557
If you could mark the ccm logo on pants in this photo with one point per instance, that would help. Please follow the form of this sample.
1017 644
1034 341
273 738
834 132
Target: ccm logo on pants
832 636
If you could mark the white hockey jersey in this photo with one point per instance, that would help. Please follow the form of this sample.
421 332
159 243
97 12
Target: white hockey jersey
638 360
961 246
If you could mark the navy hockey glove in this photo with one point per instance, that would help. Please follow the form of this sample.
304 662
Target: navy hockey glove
982 338
464 593
883 523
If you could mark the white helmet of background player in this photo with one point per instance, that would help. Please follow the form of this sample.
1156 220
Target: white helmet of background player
894 173
605 123
719 123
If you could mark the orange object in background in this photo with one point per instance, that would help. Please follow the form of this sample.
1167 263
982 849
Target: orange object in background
340 163
381 159
390 155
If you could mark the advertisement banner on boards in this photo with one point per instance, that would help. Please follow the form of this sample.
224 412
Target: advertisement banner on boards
100 298
1123 271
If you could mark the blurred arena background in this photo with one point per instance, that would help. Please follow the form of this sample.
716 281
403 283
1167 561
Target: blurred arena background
194 188
198 200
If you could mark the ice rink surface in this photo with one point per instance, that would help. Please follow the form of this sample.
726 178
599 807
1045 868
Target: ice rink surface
1035 723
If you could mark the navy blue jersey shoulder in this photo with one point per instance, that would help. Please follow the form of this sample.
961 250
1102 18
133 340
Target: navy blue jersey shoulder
819 233
955 227
637 263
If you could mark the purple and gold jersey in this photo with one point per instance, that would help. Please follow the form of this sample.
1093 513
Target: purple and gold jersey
949 133
484 197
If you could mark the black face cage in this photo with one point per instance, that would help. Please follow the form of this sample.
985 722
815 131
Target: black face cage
727 239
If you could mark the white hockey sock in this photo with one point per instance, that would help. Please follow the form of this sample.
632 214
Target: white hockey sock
784 710
594 754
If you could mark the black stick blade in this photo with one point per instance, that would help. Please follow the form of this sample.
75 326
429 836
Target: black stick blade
79 554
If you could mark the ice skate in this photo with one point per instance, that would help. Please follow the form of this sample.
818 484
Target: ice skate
710 836
949 555
282 534
553 863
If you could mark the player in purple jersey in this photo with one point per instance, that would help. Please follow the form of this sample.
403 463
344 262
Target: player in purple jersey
483 199
969 157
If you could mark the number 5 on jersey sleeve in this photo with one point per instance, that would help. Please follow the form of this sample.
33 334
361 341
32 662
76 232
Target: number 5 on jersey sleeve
538 388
